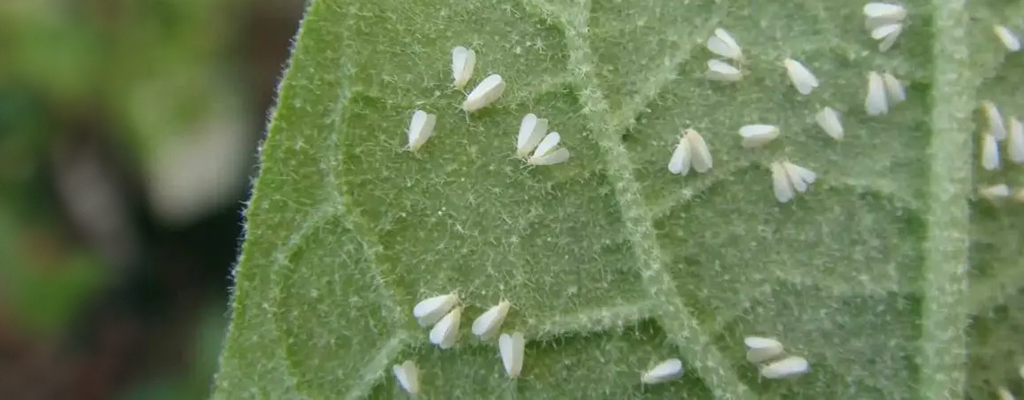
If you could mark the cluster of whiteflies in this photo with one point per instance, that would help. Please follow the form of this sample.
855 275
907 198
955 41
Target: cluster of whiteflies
885 21
533 135
766 353
787 178
444 315
1006 134
771 358
723 44
1011 135
883 90
538 146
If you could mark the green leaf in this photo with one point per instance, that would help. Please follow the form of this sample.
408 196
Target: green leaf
611 263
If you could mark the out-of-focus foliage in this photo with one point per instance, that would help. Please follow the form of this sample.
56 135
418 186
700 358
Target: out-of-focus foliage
160 78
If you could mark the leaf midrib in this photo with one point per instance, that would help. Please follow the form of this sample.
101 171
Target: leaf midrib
945 317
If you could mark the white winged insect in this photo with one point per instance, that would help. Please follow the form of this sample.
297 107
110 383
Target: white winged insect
886 34
700 155
875 103
995 120
421 128
758 135
893 88
789 178
548 152
1015 141
511 349
828 120
488 323
692 151
781 186
1009 39
799 176
446 332
722 71
665 371
995 192
485 93
785 368
431 310
463 61
722 43
802 78
679 163
761 349
878 13
989 152
531 132
408 376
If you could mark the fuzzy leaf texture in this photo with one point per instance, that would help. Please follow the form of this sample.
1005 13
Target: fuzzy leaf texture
889 275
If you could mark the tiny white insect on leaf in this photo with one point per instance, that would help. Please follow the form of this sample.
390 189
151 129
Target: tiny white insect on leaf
700 155
408 376
803 80
995 120
887 11
531 132
761 349
995 192
758 135
490 321
546 154
799 176
885 30
894 88
679 163
555 157
722 71
989 152
1009 39
463 61
421 128
876 103
781 186
446 332
722 43
1005 394
828 120
1015 141
886 43
757 342
665 371
757 356
485 93
785 368
547 144
431 310
511 349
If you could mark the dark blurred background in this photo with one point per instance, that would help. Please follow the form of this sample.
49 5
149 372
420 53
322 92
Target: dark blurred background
128 131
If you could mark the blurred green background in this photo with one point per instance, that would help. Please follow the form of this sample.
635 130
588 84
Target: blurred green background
128 133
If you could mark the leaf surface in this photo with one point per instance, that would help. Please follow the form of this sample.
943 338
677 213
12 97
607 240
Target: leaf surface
611 263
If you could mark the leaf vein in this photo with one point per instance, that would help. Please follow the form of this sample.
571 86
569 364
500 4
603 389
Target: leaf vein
675 317
377 365
945 317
